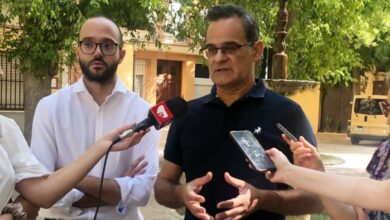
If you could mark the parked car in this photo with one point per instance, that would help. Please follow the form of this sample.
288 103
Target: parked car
367 120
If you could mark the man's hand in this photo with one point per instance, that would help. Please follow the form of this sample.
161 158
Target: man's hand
240 206
137 167
305 154
191 199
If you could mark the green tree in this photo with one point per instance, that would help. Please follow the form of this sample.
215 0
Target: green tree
41 34
328 39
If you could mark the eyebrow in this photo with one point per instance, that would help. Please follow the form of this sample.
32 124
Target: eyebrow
224 43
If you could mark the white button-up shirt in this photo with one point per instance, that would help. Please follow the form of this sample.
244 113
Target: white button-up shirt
69 121
16 160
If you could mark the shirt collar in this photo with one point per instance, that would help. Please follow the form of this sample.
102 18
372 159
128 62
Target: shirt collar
257 91
80 87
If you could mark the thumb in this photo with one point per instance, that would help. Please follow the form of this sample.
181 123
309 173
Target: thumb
114 134
233 181
204 179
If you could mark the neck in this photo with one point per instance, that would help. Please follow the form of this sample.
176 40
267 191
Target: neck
99 91
230 95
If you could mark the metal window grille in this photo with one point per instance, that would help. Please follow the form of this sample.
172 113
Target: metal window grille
11 85
139 76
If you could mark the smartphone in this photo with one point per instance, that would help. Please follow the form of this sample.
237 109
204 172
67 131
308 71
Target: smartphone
252 150
286 132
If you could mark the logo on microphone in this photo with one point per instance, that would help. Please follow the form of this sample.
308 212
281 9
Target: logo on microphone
162 112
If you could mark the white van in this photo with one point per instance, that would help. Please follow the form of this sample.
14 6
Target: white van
367 120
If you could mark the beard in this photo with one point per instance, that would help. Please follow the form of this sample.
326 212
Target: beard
102 78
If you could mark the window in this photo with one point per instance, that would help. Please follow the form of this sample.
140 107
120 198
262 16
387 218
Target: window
201 71
11 85
139 76
368 106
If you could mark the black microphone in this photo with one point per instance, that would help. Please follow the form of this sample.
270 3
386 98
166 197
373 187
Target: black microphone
159 115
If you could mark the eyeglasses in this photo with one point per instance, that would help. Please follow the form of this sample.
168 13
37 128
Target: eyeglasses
384 107
230 49
108 48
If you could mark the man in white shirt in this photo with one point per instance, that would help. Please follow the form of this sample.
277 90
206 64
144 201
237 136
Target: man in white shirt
68 122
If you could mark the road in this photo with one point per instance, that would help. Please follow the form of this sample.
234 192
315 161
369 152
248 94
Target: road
345 158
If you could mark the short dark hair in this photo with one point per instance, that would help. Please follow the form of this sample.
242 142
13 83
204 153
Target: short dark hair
228 11
120 43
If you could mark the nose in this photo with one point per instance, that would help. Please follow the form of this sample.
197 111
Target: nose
98 51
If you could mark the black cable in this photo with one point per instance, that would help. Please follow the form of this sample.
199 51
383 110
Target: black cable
101 180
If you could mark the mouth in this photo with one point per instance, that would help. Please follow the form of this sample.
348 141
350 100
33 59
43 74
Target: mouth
221 69
97 64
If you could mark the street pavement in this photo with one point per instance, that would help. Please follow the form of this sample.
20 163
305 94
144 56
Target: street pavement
349 160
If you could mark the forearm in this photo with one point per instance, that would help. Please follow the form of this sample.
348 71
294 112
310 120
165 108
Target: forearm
288 202
357 191
88 201
45 191
111 193
166 193
338 210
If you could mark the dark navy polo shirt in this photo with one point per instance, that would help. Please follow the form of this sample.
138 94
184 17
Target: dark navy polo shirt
199 141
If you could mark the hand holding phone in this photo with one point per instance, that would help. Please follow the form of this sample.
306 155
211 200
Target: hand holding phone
286 132
252 150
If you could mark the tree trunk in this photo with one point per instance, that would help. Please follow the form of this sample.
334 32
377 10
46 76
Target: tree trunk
356 84
34 90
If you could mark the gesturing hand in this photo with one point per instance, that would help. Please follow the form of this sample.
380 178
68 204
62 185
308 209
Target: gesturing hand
305 154
189 195
240 206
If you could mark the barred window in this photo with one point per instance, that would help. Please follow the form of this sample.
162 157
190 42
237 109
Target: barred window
139 76
11 85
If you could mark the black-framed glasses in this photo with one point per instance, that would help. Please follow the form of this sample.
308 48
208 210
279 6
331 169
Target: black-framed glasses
108 48
385 108
229 49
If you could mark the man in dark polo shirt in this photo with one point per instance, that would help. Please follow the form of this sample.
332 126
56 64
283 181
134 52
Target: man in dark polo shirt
219 183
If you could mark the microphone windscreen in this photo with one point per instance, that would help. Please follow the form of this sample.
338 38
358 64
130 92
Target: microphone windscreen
178 106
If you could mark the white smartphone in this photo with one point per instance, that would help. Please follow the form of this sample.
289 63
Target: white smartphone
252 150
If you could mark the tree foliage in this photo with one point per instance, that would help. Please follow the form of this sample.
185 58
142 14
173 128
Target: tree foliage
41 33
326 40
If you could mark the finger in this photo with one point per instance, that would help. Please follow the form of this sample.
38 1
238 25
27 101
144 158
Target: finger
307 144
203 180
233 181
269 175
114 134
233 213
286 139
140 168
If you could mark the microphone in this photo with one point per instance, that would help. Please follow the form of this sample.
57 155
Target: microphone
159 115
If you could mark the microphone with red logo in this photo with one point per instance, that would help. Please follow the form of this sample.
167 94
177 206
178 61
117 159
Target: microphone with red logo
159 115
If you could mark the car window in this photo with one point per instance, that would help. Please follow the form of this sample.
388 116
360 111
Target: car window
368 106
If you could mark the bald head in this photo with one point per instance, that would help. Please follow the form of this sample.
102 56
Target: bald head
100 23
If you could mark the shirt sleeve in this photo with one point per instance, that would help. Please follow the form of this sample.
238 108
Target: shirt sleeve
44 147
136 191
23 161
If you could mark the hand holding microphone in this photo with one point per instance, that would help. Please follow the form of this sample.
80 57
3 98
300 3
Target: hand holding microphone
159 115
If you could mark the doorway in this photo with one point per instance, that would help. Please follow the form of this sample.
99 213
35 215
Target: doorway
168 79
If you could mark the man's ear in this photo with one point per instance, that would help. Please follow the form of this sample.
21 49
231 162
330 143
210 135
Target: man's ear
122 54
259 48
76 49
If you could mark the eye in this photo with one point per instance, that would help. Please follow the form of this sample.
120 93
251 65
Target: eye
88 44
108 45
212 50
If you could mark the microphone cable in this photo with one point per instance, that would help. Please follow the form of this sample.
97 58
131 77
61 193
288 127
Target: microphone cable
101 181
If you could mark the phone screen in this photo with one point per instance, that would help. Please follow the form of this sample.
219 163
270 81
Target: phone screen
252 150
